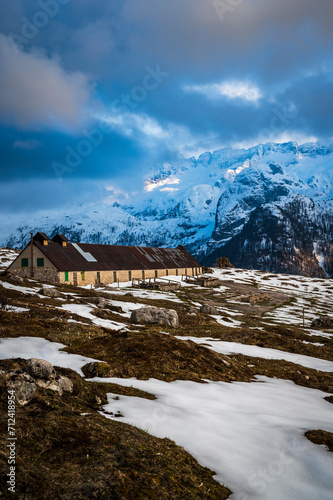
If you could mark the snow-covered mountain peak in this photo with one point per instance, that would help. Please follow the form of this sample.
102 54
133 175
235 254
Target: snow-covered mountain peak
212 204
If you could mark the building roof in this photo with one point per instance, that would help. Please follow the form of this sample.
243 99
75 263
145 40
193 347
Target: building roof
92 257
59 238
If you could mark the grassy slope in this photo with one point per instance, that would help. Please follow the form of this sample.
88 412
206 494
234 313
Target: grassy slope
64 453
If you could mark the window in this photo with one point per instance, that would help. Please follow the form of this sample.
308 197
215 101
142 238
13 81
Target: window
83 275
98 277
24 262
185 272
129 275
176 272
66 276
45 242
40 262
143 275
167 272
114 276
156 274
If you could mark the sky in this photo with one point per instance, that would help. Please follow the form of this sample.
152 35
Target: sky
94 95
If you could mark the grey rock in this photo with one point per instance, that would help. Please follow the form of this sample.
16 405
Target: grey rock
39 368
50 292
207 309
66 384
24 387
16 279
323 322
52 385
157 315
102 303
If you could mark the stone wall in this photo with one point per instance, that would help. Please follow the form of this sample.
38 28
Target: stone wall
108 277
50 275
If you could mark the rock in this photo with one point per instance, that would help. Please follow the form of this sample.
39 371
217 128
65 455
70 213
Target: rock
151 314
323 322
23 385
39 368
16 279
129 294
66 384
207 309
50 292
223 263
101 303
52 385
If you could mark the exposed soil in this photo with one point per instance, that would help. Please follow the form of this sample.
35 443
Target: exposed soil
321 437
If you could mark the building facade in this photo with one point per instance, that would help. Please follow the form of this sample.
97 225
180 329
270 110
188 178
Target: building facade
57 260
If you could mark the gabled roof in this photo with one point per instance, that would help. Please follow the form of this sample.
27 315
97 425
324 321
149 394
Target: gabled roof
91 257
59 238
41 237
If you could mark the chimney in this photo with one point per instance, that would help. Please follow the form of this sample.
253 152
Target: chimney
32 257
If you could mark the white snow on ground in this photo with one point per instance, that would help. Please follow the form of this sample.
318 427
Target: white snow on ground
35 347
319 333
16 309
261 352
125 287
315 295
142 293
232 323
228 311
251 434
22 289
127 307
7 256
85 312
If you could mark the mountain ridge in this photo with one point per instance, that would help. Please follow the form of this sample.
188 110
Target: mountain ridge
268 207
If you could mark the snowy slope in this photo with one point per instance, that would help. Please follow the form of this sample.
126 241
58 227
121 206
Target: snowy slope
273 199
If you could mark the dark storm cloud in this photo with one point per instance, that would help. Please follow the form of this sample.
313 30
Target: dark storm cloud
65 76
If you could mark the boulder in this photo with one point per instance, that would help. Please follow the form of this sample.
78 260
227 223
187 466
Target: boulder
52 385
208 309
39 368
323 322
66 384
223 263
151 314
23 385
16 279
53 293
101 303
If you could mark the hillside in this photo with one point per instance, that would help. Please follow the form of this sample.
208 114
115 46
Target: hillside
268 208
236 398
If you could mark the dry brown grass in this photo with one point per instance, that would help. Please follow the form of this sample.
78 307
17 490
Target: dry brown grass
321 437
64 454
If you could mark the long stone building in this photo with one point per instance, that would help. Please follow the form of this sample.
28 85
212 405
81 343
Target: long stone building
57 260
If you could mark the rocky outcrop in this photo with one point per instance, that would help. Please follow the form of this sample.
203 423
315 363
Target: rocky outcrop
223 263
209 309
323 322
53 293
158 315
39 368
33 374
23 386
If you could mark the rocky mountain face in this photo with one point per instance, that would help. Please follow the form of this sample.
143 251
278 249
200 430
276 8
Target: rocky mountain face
269 208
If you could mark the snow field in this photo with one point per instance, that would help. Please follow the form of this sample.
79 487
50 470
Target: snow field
262 352
250 434
35 347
